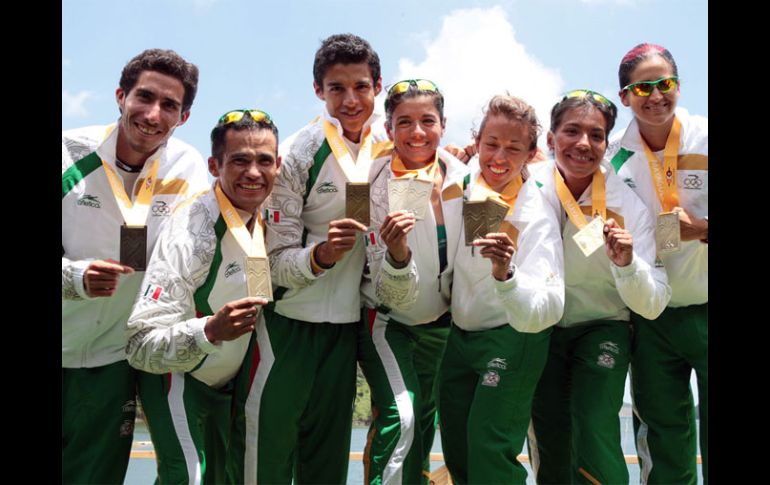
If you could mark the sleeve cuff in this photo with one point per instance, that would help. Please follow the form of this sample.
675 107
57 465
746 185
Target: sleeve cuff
197 325
391 270
508 285
78 272
625 271
307 268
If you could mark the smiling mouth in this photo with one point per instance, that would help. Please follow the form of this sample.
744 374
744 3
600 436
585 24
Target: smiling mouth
146 131
582 158
497 170
252 186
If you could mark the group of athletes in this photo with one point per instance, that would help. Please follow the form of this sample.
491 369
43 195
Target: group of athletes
238 310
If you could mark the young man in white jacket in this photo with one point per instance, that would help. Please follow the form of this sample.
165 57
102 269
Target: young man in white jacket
134 173
317 259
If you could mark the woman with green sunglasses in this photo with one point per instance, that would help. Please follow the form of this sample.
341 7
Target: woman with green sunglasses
663 157
609 272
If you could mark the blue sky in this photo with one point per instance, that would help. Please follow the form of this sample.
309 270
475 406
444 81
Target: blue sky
260 53
256 53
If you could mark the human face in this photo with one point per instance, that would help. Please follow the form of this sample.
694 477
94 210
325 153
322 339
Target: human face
579 144
503 149
149 114
249 166
657 109
349 91
416 128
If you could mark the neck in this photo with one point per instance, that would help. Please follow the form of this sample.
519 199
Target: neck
127 155
415 165
499 188
576 186
655 136
355 137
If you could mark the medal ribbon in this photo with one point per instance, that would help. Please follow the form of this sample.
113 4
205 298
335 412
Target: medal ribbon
482 190
134 214
252 244
428 172
598 199
664 178
355 171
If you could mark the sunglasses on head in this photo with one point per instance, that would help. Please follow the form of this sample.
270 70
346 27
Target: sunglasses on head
645 88
421 84
598 97
235 115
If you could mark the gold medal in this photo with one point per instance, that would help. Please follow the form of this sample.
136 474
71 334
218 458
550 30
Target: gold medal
357 201
258 277
667 234
133 247
590 237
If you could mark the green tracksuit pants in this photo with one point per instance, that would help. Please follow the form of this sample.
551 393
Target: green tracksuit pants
188 423
575 431
98 410
293 404
664 353
400 363
486 385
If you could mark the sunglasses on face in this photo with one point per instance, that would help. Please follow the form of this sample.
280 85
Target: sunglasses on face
645 88
235 115
421 84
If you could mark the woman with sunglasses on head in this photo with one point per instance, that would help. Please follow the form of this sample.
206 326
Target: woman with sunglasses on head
508 290
399 351
609 264
663 157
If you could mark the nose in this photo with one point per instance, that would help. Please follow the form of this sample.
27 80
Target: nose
418 130
252 171
350 98
153 113
583 141
656 94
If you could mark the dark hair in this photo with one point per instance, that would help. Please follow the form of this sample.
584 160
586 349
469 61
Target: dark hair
165 62
392 100
608 111
639 53
515 109
245 123
344 49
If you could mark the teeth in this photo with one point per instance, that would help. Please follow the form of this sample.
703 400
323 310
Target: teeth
497 171
418 145
147 131
252 186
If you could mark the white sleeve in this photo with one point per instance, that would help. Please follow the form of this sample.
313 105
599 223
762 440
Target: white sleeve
72 275
289 260
642 286
163 333
534 297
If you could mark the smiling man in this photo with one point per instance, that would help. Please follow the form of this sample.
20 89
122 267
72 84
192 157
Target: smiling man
119 184
193 325
317 258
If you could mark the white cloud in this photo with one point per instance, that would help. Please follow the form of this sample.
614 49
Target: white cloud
73 105
475 56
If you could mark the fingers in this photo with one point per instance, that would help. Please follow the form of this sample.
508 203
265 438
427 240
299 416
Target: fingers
496 246
397 225
109 266
101 277
347 224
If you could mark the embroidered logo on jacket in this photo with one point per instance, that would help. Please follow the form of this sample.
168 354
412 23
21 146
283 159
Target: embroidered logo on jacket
153 292
606 359
160 208
90 201
692 182
326 187
231 269
630 182
497 362
491 379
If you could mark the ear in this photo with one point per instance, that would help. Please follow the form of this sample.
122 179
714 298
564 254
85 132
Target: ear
443 127
389 131
549 141
624 98
213 167
531 155
319 92
278 166
120 97
183 118
378 86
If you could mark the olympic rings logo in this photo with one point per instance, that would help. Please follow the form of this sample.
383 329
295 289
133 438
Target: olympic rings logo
161 209
692 182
